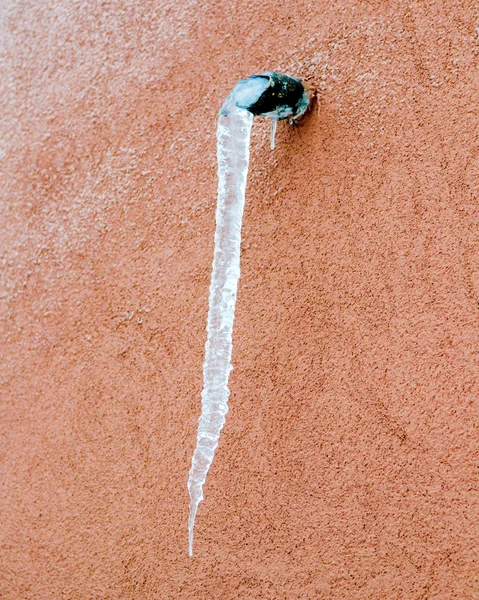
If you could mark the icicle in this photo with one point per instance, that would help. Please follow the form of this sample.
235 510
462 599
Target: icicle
234 129
274 122
270 95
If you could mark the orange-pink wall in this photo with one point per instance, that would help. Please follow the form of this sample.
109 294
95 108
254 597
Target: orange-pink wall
347 466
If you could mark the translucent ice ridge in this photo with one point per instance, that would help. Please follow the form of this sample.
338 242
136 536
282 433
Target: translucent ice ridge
233 139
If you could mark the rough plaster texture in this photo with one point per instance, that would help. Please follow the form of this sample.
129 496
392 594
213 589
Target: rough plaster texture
348 466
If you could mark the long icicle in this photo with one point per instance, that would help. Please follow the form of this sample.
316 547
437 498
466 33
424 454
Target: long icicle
233 138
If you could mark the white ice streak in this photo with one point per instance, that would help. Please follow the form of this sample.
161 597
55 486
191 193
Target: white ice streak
233 135
274 122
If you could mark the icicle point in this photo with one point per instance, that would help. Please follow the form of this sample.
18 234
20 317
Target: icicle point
191 528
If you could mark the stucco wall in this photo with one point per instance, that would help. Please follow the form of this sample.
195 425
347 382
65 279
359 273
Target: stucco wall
349 460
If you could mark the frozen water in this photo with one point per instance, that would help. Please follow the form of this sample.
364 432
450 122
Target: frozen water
274 122
247 91
233 138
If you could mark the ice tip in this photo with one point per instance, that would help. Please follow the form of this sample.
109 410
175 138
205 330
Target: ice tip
191 527
190 543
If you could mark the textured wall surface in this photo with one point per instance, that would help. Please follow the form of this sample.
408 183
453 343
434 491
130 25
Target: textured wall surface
348 466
